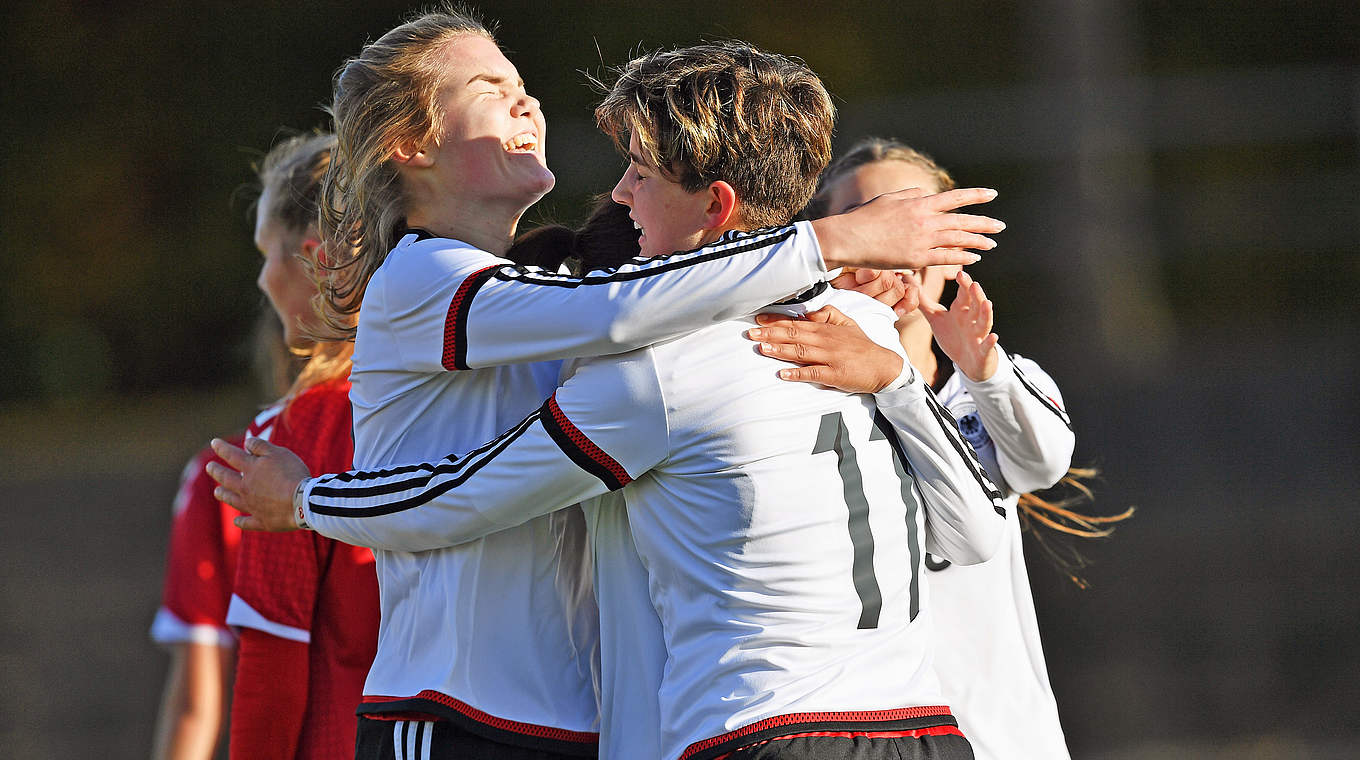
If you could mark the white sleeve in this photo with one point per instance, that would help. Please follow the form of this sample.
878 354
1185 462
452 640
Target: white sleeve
511 314
1022 411
604 427
965 513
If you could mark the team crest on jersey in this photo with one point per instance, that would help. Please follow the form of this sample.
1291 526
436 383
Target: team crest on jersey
971 428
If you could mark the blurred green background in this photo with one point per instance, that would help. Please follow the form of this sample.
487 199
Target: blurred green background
1181 182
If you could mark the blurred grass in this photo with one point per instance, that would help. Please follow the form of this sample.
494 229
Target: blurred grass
152 435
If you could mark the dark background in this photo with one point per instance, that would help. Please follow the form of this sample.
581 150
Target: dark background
1181 181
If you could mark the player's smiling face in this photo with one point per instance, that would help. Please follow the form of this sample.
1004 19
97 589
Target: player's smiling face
283 279
876 178
668 217
491 141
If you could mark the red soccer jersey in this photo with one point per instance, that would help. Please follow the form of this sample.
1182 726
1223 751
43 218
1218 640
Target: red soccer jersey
306 588
200 563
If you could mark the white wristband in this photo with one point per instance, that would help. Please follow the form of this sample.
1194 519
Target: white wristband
904 379
300 505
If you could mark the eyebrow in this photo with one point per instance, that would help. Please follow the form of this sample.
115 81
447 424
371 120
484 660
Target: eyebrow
495 79
639 160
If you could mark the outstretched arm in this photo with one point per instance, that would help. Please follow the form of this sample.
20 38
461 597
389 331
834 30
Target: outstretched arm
493 313
601 429
908 230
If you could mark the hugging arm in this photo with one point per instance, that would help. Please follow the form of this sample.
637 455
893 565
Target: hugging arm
601 429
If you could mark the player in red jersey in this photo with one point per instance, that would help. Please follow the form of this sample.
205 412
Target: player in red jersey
306 645
200 567
192 619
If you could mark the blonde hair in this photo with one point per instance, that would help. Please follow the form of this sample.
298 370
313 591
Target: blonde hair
1059 516
727 111
872 150
384 97
290 176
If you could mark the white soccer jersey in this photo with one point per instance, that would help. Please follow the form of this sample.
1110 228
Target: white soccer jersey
756 510
632 644
990 661
477 633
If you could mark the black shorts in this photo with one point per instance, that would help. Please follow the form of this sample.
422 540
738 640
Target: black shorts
436 740
927 732
949 746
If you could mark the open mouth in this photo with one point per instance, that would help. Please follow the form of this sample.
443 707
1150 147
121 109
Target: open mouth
525 142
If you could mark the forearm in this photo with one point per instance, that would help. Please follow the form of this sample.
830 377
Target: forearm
965 514
1023 415
589 437
518 315
436 505
193 706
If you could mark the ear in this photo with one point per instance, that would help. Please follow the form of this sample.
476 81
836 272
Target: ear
723 206
312 249
412 154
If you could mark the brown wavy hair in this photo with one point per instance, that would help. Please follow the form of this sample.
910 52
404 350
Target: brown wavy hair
727 111
1059 516
382 98
607 239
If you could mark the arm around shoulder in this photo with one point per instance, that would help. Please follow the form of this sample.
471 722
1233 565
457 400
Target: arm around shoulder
517 314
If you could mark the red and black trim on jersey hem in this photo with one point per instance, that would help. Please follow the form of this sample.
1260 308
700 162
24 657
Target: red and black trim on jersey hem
1048 403
469 718
455 324
907 721
580 449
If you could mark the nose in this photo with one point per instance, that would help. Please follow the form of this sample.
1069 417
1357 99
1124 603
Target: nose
525 104
620 194
262 279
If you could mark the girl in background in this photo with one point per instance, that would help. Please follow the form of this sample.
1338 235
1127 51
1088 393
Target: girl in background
990 661
192 619
200 569
305 645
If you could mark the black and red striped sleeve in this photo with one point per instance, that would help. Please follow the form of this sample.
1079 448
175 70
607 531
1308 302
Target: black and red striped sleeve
511 314
604 427
1022 412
